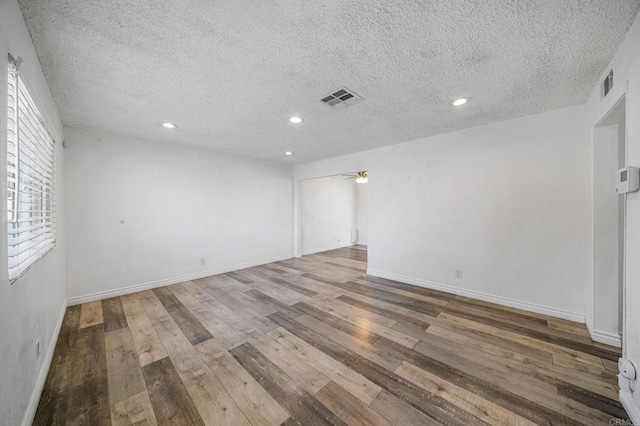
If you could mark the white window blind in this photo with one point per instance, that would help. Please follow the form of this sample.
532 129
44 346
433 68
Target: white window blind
30 179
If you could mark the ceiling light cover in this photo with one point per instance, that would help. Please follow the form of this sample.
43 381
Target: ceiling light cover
168 125
362 177
295 120
460 101
288 153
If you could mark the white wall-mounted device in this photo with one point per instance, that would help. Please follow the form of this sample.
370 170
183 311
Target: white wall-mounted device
627 375
627 180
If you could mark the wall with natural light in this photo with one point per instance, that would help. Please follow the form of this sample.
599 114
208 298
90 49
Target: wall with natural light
32 308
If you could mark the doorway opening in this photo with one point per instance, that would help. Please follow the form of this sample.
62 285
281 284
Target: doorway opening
333 213
609 155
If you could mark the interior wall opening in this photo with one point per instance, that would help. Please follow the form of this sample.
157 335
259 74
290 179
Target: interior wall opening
333 212
609 151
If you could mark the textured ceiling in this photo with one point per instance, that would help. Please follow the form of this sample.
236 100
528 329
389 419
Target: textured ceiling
230 73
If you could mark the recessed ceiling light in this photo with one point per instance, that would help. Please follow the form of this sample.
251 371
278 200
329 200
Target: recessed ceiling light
295 120
288 153
460 102
168 125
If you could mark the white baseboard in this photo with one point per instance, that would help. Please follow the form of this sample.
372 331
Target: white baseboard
526 306
632 410
168 281
328 248
611 339
30 413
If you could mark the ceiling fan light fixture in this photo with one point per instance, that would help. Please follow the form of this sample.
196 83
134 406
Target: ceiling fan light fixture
361 177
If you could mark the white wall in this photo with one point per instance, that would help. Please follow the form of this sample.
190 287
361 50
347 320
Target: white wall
607 254
146 213
626 66
328 209
508 203
362 191
31 309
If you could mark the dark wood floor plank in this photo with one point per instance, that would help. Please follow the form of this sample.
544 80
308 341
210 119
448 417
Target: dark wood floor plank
171 403
348 253
207 393
474 404
344 326
385 312
283 282
361 269
188 323
293 264
273 268
114 317
407 287
499 324
499 342
227 327
588 349
353 382
593 400
328 346
399 412
270 303
379 356
351 410
55 394
519 363
393 298
89 392
239 277
242 310
291 422
537 326
519 405
432 405
302 406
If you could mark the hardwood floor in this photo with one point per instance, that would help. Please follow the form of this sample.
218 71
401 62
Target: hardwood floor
316 341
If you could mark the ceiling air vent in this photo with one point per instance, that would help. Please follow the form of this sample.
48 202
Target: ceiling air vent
341 98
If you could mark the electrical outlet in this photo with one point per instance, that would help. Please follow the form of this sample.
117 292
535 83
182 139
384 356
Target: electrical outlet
202 261
37 349
459 273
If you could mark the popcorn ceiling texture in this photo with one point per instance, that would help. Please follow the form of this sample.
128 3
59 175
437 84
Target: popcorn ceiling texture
230 73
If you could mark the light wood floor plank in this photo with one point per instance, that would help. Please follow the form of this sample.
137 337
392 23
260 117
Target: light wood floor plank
91 314
256 404
212 401
145 338
135 410
348 379
124 374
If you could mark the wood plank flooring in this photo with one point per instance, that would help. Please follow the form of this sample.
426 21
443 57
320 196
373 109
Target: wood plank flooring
316 341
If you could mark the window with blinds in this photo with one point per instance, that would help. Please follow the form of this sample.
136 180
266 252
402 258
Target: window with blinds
30 179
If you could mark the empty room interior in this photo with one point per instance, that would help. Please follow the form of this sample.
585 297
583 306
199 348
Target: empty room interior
307 213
